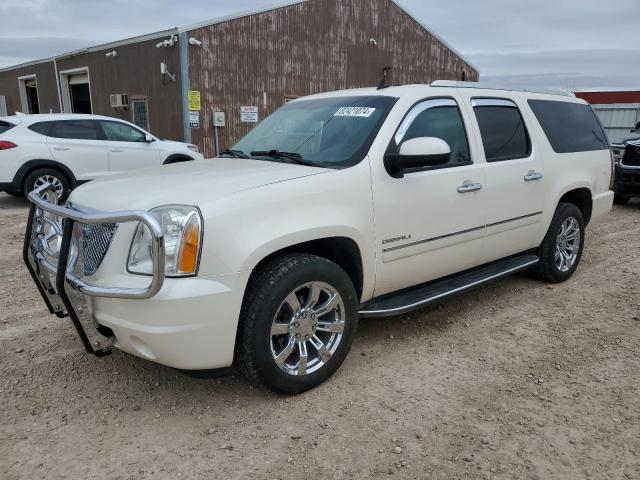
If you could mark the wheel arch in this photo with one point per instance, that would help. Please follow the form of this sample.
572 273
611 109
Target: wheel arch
32 165
582 198
343 251
177 158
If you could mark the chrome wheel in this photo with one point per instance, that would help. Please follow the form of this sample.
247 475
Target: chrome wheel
307 328
567 244
53 195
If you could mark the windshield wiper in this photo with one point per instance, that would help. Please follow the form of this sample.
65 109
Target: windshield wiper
294 157
234 153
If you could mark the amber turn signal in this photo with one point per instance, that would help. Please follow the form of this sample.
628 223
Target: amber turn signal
190 247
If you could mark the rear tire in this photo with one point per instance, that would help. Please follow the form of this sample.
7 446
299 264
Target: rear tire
562 247
299 318
37 178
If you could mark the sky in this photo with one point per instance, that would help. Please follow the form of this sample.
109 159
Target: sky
556 44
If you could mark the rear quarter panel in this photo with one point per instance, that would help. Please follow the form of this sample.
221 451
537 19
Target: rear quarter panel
31 146
567 171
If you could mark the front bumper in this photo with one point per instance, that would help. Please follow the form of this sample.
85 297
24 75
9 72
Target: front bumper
627 183
183 323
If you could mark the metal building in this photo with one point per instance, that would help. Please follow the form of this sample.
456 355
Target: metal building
244 66
619 112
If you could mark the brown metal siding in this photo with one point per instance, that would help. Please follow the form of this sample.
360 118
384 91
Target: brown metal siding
135 71
307 48
47 90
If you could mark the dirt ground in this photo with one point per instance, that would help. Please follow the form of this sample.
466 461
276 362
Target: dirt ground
516 380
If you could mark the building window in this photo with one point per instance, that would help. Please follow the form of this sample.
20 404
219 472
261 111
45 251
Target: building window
29 94
76 91
139 114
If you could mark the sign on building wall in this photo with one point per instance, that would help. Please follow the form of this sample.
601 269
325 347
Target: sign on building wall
194 119
249 114
193 98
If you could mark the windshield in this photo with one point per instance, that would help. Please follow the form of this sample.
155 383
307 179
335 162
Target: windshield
330 132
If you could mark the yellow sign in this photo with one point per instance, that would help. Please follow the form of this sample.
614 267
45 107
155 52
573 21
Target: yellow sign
194 100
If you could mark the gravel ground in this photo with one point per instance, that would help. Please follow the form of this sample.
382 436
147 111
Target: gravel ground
515 380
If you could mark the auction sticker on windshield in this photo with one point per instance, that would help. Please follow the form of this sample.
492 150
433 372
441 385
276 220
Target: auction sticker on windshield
355 112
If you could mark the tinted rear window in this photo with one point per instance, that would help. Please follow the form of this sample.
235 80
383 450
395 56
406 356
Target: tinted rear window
570 127
504 135
5 126
76 129
43 128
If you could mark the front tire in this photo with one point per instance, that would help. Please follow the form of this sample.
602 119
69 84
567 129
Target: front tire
61 185
299 318
562 247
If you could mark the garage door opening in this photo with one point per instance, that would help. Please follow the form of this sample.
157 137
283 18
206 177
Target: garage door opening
76 91
29 94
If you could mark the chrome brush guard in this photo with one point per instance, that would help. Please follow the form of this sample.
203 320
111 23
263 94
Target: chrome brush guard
54 253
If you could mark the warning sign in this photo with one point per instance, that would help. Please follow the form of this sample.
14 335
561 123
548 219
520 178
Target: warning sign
249 114
194 119
194 100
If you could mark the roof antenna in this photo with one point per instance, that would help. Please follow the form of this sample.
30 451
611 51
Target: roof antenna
383 80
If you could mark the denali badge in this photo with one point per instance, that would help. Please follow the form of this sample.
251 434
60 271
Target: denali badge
396 239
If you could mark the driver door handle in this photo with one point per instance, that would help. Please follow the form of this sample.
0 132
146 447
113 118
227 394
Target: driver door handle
61 148
532 176
469 187
116 150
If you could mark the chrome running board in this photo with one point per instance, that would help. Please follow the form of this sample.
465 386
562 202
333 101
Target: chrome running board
413 298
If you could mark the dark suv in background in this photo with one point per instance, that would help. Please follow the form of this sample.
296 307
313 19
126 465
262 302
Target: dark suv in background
627 183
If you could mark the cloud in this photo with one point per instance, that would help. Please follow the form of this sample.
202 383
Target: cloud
547 43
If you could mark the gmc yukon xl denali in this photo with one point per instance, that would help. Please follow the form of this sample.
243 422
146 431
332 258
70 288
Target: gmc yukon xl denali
338 206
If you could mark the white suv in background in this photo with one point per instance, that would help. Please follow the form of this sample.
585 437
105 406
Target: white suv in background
68 150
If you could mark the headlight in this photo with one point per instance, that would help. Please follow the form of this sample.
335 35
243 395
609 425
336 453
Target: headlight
195 148
182 229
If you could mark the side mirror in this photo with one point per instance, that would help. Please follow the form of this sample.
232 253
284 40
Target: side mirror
148 138
417 153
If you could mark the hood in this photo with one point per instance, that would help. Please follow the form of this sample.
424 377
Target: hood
190 183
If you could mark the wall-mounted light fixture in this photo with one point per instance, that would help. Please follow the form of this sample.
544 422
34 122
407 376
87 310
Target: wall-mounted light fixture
195 42
112 54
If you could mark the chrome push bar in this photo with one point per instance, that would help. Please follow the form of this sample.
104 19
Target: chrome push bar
63 290
69 215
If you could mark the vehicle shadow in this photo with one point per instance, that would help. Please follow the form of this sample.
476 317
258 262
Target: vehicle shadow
374 334
10 202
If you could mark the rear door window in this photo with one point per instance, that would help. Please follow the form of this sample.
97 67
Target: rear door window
570 127
76 130
504 134
5 126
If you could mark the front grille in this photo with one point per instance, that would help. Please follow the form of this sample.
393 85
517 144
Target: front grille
95 243
631 156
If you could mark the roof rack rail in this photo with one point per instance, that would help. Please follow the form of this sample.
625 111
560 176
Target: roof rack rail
488 86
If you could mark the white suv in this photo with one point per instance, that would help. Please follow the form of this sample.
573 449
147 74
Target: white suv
337 206
67 150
